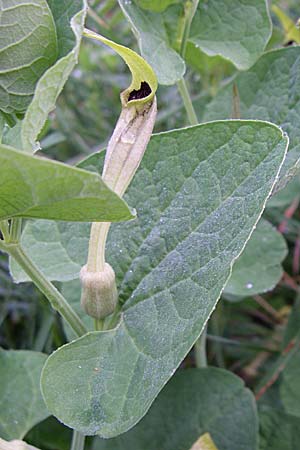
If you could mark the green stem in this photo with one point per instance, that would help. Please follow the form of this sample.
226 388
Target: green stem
183 90
96 253
200 350
57 301
77 441
99 324
43 332
190 9
236 111
15 230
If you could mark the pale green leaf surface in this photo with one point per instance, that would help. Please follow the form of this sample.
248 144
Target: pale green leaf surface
198 201
286 196
278 430
70 16
22 405
237 30
154 43
36 187
28 46
290 386
270 90
155 5
194 402
66 244
259 268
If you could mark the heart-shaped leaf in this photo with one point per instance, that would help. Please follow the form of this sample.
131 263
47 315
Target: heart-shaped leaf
221 406
237 30
198 201
22 405
41 188
69 20
28 47
154 43
278 429
270 90
258 269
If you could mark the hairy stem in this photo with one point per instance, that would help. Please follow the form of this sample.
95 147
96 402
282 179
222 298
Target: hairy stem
15 230
96 259
190 9
56 299
200 350
183 90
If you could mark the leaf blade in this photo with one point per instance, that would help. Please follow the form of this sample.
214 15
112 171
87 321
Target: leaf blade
27 25
259 100
237 31
167 267
35 187
20 392
52 82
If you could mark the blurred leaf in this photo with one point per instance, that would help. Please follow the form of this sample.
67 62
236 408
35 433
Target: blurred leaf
270 90
194 402
28 46
290 386
41 188
155 5
278 430
21 399
293 326
154 43
259 268
287 195
237 30
171 266
50 434
69 18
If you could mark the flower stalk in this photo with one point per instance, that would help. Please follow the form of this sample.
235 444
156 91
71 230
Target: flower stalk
123 156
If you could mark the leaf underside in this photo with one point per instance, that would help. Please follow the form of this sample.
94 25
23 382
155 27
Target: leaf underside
36 187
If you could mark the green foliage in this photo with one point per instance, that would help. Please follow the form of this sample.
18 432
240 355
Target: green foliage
28 47
69 28
154 43
40 188
237 30
290 393
160 257
195 402
268 91
278 430
21 399
155 5
258 269
199 192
